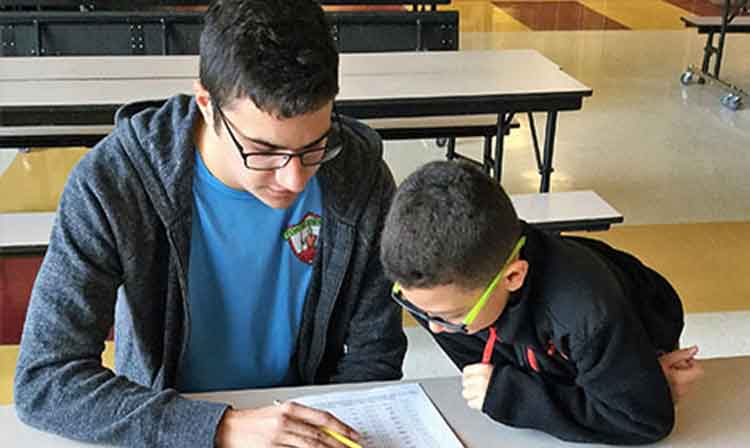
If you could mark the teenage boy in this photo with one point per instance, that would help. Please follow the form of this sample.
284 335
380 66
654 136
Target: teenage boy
232 239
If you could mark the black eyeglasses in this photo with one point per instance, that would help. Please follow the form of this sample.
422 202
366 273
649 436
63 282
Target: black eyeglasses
310 156
424 315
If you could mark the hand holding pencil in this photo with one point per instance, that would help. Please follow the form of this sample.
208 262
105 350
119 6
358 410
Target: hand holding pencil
336 435
289 425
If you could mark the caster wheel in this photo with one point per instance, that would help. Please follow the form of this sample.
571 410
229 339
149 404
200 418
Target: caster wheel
690 77
731 101
687 78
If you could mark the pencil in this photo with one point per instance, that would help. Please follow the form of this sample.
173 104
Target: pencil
341 438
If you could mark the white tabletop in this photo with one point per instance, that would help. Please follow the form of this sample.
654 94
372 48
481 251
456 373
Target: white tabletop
714 415
25 229
75 130
352 64
75 81
98 67
453 74
563 207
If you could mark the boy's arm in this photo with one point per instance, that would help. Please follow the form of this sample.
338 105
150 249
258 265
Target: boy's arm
60 383
619 395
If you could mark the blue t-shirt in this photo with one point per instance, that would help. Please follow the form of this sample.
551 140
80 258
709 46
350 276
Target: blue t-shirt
250 268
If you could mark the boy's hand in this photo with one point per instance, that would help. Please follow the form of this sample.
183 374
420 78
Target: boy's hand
288 425
681 370
476 379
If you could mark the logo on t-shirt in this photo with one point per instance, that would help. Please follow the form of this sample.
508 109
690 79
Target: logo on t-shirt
303 237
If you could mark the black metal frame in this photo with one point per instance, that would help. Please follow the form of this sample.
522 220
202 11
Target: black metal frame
49 141
729 13
118 5
711 50
142 33
492 163
589 225
384 31
109 4
472 105
35 249
169 33
435 106
100 33
451 133
508 107
417 5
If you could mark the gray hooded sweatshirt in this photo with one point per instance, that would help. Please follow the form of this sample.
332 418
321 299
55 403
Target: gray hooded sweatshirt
119 253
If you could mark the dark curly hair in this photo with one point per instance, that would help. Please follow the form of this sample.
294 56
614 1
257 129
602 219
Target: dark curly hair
449 223
278 53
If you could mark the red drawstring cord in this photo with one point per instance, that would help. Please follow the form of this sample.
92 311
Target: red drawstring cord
489 347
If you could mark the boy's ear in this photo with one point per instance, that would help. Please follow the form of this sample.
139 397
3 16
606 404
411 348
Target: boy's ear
515 274
203 100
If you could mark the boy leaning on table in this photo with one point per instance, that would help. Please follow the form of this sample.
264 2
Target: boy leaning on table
562 334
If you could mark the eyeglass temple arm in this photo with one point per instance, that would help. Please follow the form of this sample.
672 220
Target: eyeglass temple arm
486 295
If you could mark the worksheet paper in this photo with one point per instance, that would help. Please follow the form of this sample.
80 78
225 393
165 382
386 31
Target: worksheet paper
399 416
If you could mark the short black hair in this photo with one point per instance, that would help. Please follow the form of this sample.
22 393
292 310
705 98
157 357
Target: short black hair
449 223
278 53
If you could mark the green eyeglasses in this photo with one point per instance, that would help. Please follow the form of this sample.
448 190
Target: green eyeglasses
462 327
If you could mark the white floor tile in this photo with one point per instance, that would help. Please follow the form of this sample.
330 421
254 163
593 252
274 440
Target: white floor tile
424 358
659 152
718 334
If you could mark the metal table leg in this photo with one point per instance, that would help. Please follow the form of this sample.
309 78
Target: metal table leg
497 168
549 149
487 156
450 152
495 163
733 99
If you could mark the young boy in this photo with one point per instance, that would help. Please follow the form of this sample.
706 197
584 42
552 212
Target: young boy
559 334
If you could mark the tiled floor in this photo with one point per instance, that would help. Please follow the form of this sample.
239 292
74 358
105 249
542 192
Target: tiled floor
558 16
698 7
669 157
